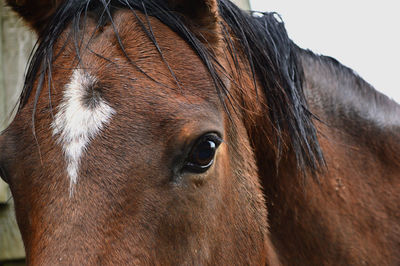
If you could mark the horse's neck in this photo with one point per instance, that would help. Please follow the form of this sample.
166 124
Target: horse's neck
346 103
353 200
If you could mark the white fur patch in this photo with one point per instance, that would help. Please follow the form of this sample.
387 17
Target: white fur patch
76 124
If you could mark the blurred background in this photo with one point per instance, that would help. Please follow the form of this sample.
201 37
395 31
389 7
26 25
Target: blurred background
363 35
16 43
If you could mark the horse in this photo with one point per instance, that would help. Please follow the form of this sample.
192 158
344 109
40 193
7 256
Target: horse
172 132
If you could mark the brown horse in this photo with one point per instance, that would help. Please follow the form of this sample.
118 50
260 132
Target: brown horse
160 132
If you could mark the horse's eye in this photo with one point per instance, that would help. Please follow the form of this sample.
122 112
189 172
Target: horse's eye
202 154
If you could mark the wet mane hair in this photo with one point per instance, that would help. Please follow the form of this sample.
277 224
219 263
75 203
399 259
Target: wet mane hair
263 41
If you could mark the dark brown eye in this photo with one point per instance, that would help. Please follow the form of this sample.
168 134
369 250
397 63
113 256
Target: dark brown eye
202 154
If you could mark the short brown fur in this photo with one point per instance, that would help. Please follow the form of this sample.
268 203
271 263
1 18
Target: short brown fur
128 208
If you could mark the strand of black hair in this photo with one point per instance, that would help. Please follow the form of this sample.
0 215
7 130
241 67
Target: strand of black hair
270 53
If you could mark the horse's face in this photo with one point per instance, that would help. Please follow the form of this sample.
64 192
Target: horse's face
127 167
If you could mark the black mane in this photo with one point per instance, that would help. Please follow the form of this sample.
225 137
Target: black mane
264 42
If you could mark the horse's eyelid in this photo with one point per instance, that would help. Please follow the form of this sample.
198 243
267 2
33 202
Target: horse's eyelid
216 137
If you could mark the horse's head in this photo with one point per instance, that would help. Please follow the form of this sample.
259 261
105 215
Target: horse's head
125 148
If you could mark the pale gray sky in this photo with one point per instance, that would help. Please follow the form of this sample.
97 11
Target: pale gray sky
363 35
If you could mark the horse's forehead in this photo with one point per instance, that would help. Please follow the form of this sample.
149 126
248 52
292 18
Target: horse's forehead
131 71
87 110
123 53
114 93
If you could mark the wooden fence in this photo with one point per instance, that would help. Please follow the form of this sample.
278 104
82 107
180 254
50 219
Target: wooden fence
16 43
